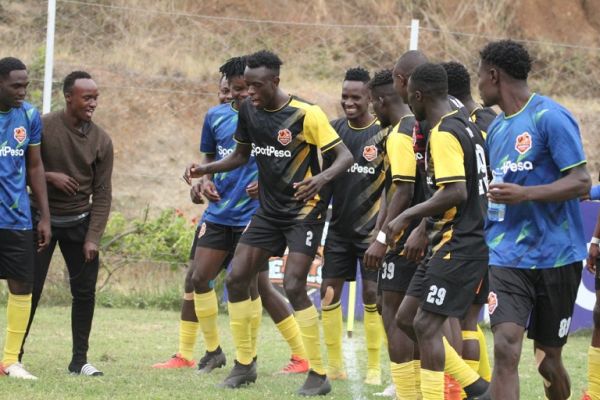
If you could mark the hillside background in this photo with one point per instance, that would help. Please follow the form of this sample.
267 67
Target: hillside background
156 62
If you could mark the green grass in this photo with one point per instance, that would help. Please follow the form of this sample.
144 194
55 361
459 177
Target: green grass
125 342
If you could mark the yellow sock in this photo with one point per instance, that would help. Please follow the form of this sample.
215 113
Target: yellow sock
432 384
308 321
256 305
290 331
188 332
469 336
373 336
457 367
333 326
594 373
485 370
240 317
207 309
18 309
417 366
403 376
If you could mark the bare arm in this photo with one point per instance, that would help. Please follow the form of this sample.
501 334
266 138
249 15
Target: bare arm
239 157
37 181
594 251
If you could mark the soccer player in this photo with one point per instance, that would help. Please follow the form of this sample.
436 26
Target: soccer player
285 134
593 392
231 205
400 192
78 160
474 346
455 268
356 196
20 164
536 252
224 93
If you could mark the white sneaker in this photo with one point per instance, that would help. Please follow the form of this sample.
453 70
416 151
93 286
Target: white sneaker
389 391
17 370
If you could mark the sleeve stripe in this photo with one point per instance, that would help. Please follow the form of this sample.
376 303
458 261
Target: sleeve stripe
34 144
450 179
207 152
403 178
240 142
331 145
573 165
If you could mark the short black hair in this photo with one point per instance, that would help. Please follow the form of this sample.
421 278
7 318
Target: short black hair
381 78
459 81
264 58
509 56
233 67
430 79
71 78
9 64
357 74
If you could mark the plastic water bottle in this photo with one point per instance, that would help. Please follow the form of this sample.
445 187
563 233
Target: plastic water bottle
496 211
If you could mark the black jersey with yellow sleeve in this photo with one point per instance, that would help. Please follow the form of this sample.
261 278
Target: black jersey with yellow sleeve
455 153
285 143
356 193
483 117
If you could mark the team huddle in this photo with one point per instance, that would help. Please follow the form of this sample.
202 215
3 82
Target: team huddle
442 204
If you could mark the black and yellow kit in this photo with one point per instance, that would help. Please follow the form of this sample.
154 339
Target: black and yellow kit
483 117
355 198
286 145
455 153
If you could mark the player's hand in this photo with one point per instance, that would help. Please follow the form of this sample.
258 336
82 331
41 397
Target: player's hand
44 234
252 190
395 228
63 182
193 171
196 193
309 188
416 244
507 193
90 251
209 190
374 255
592 257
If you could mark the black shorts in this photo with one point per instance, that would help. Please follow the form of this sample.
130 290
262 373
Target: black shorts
219 237
448 287
415 287
597 275
483 290
540 300
17 253
396 273
274 236
340 257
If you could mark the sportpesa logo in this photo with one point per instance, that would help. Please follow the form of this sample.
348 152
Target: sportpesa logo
356 168
223 151
517 166
270 151
7 151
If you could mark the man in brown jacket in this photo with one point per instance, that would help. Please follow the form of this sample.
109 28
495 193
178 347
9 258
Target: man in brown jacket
78 159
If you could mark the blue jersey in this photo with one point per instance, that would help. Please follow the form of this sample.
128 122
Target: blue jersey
19 128
536 146
235 207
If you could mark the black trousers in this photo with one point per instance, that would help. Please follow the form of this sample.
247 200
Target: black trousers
82 278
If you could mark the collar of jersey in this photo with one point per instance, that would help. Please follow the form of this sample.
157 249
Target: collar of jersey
444 116
232 107
522 108
362 127
282 107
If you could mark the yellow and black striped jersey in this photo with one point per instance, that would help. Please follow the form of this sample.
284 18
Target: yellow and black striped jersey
483 117
356 193
455 153
285 143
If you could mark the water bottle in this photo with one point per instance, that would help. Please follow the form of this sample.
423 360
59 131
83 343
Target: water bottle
496 211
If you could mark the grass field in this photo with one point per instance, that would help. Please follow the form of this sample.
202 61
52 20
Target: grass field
125 342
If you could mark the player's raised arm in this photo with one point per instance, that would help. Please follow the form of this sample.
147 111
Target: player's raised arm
239 157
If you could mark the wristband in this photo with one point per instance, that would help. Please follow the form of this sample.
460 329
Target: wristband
594 240
381 236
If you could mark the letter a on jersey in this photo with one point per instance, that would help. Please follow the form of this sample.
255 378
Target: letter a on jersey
523 143
284 137
370 153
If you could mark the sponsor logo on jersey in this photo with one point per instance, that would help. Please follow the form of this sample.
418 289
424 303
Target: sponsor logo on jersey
223 151
523 143
492 302
270 151
370 152
284 137
202 230
517 166
8 151
20 134
356 168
